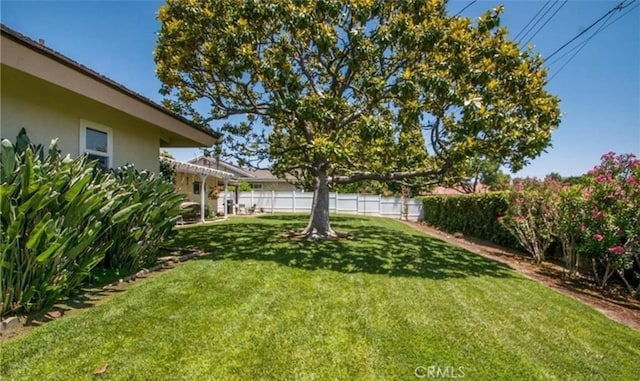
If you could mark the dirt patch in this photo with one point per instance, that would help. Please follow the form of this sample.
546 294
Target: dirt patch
616 307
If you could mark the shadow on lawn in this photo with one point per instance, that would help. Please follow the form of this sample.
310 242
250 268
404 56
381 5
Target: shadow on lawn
374 250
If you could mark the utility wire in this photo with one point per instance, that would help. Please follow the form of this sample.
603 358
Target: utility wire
538 21
614 9
600 30
546 22
584 43
579 48
463 9
532 19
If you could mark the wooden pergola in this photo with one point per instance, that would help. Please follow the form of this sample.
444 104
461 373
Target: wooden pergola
204 173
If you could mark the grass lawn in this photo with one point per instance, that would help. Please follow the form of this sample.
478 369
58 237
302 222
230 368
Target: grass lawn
376 307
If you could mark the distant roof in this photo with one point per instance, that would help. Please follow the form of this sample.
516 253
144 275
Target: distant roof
58 57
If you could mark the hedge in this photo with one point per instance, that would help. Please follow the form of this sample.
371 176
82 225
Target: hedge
473 215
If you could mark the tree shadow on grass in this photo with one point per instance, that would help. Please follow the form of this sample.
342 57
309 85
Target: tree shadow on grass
374 250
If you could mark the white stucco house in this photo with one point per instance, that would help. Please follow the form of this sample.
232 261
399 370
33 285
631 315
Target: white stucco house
53 96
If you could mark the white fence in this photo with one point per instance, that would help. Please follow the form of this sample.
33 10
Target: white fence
352 203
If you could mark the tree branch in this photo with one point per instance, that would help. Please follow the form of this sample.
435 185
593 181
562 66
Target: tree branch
360 176
301 61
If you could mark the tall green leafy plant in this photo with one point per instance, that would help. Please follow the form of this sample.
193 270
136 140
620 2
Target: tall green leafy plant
149 208
60 217
52 214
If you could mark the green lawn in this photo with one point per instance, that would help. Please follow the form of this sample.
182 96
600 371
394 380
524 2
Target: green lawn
376 307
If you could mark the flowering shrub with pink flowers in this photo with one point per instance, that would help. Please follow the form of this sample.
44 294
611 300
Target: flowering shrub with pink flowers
609 225
596 222
531 215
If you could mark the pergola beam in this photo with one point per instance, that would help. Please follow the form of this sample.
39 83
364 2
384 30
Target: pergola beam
204 173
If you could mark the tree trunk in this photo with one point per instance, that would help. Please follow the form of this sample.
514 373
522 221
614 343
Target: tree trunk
319 226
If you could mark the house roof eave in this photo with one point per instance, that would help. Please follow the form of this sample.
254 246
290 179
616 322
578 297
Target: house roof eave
76 66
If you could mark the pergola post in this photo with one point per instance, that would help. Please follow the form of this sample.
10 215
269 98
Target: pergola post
204 173
224 203
203 197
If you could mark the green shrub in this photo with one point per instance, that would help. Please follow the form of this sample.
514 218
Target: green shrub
473 214
60 217
149 208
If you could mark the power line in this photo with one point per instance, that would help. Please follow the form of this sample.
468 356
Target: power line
538 21
546 22
579 48
614 9
601 29
532 19
463 9
584 43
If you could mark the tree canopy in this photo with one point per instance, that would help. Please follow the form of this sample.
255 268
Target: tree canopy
356 90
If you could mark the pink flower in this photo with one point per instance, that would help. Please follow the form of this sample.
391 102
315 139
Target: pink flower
501 218
596 214
598 237
582 227
618 250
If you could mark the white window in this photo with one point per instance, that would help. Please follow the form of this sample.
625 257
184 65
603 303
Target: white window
96 141
255 186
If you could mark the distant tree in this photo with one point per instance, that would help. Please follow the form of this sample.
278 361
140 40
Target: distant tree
576 180
554 176
494 178
356 90
167 169
243 186
480 171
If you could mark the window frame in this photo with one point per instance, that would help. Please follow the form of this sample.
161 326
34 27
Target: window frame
84 124
256 186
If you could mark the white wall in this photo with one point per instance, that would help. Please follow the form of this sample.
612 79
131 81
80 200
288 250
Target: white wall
350 203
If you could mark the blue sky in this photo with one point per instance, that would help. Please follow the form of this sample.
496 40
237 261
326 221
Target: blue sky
599 88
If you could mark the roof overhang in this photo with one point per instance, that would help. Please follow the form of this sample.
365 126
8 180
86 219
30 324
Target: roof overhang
28 56
198 169
239 172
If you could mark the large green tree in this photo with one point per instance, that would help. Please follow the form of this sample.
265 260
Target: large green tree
356 90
